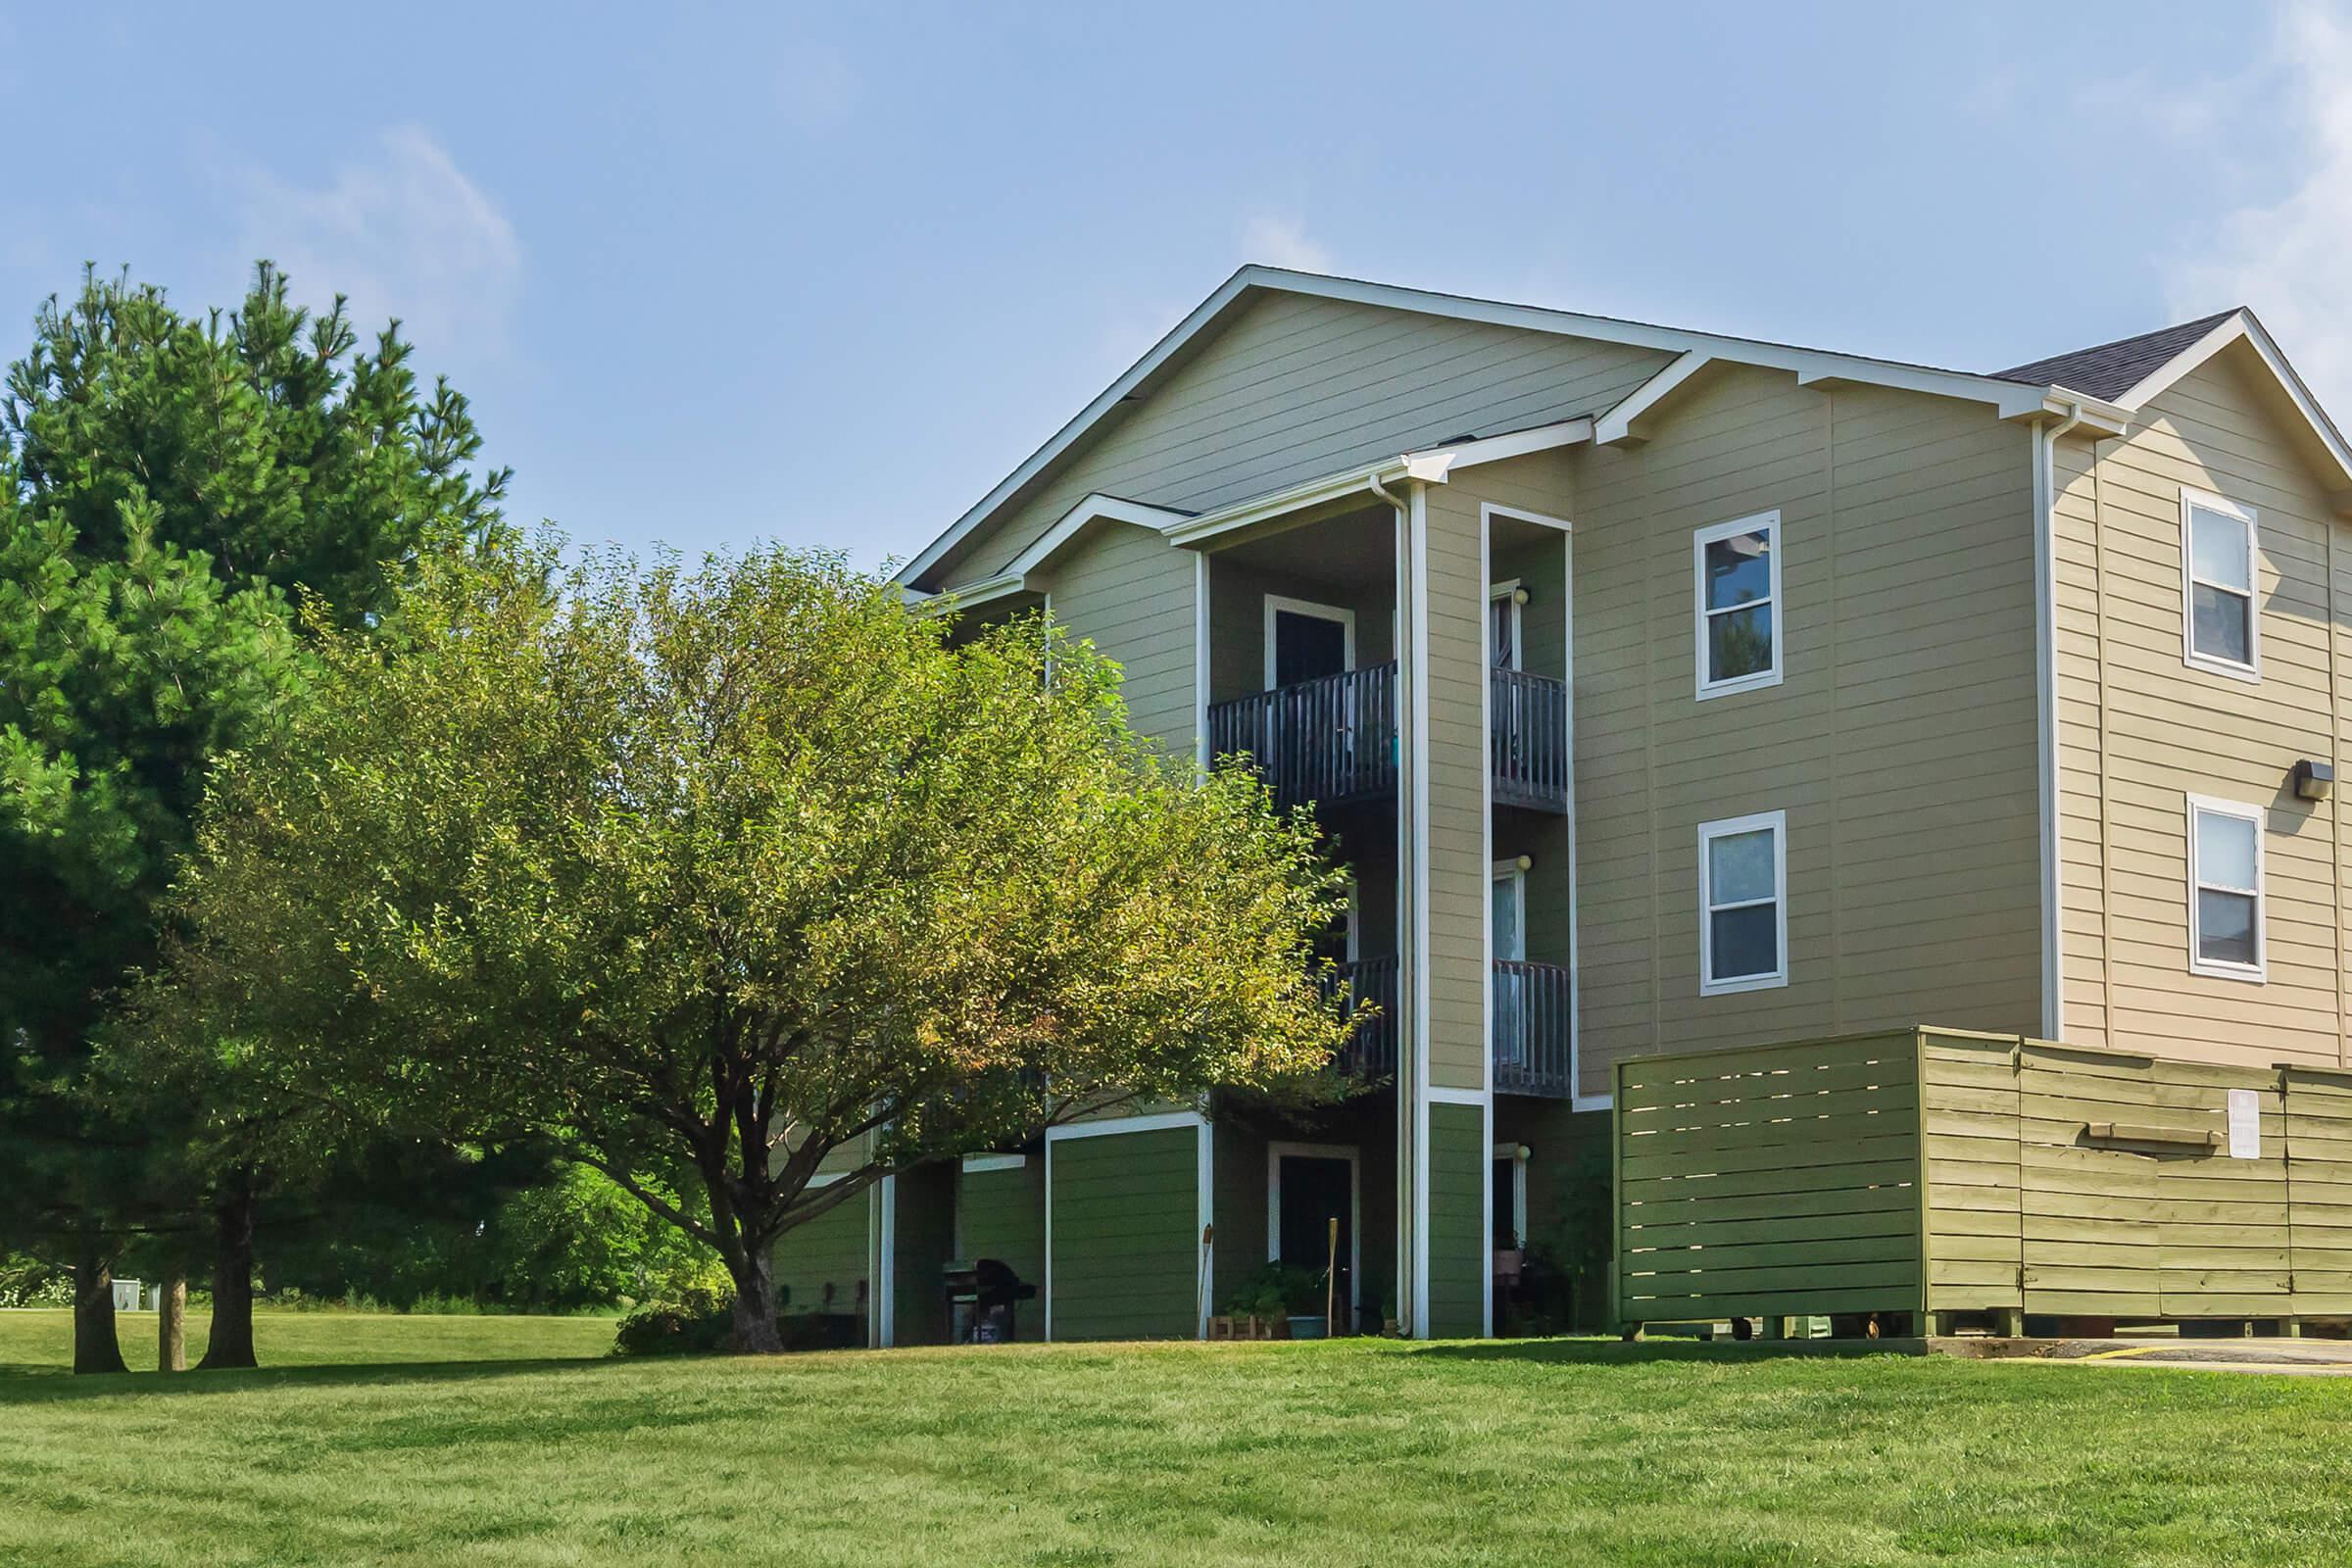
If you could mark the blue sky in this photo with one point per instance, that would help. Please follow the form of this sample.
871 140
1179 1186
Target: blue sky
823 276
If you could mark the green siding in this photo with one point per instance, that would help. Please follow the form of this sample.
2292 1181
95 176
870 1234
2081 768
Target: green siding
1003 1215
1241 1210
1827 1176
1770 1180
1126 1216
1458 1153
922 1235
827 1254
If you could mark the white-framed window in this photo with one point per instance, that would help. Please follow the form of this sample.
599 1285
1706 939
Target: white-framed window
2221 625
1736 570
1504 651
1744 903
2225 889
1306 640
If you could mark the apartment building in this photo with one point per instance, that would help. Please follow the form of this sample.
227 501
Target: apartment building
1662 691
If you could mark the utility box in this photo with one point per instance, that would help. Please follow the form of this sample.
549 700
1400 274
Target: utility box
1933 1172
127 1295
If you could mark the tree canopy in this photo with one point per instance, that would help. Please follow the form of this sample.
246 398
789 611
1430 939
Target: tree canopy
168 487
721 873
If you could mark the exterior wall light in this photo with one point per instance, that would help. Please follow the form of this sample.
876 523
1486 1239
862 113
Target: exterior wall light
2315 781
1518 595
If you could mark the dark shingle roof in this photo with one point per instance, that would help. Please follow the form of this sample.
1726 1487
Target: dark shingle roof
2108 371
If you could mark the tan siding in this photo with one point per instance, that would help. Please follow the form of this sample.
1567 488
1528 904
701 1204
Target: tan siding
2140 730
1299 387
1128 592
1901 742
1458 864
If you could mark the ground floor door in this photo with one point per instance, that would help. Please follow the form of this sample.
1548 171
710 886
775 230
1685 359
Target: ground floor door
1312 1189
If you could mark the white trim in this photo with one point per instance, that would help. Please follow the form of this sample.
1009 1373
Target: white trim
1630 421
1275 1153
1277 603
1767 523
2191 502
1778 823
1201 574
826 1178
1448 1095
1486 910
2257 972
2043 439
1313 492
982 1164
1047 1285
1157 1122
886 1271
2009 398
1417 695
1512 444
1517 1154
1204 1203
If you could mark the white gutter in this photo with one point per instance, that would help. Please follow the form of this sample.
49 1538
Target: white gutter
2045 693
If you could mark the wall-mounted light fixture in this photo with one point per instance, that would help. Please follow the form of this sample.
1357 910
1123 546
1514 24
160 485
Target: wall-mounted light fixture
1525 862
1518 595
2314 781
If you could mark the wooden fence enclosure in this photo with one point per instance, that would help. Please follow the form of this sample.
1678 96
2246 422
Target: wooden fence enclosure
1934 1172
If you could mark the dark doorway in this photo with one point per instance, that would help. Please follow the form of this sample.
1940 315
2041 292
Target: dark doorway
1317 1189
1307 647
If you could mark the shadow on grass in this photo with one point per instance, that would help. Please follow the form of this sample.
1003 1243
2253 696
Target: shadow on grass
21 1382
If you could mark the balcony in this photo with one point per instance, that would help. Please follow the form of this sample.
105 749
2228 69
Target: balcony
1332 741
1531 1004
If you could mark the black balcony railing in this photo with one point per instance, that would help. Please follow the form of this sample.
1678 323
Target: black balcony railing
1529 738
1371 1052
1333 740
1328 740
1531 1004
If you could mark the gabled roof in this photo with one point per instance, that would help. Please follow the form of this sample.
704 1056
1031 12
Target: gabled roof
1253 282
2108 371
2117 378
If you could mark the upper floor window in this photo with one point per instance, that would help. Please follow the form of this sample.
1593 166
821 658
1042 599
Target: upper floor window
1737 567
2225 889
2220 628
1744 903
1503 625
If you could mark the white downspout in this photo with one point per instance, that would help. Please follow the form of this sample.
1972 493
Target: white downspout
2045 690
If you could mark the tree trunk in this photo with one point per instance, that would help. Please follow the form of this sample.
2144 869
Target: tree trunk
171 1324
231 1339
755 1332
95 1345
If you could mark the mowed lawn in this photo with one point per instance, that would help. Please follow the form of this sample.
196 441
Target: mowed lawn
491 1441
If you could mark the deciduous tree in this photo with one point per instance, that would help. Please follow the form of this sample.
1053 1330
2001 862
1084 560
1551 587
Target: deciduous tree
718 874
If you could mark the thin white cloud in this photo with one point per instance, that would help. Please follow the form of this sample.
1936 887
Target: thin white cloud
1280 241
2286 257
818 86
400 231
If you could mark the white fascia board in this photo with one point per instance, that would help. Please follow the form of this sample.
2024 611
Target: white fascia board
1112 396
1096 507
1435 465
1626 423
2242 324
2012 399
1429 467
1110 1126
966 595
1495 449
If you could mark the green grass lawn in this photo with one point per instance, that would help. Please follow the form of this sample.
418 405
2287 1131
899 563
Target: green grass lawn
513 1450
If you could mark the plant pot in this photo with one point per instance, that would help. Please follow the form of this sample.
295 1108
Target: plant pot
1317 1327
